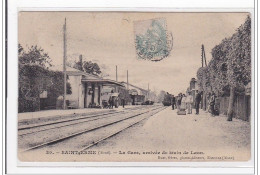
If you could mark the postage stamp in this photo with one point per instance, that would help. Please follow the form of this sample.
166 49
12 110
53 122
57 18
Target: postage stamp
153 41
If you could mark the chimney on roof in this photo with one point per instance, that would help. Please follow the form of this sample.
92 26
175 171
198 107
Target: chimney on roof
80 63
80 59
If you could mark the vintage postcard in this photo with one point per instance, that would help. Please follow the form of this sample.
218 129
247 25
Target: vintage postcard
134 86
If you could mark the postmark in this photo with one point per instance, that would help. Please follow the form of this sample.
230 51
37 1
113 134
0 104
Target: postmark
152 40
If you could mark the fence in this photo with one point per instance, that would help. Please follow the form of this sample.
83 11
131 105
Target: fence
242 106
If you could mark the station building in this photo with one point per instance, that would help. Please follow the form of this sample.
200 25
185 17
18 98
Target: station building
86 88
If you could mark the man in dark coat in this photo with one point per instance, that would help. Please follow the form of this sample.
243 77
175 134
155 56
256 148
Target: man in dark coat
173 102
111 102
197 102
179 98
123 102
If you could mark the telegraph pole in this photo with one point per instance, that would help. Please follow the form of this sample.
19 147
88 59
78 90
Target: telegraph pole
116 73
202 48
203 56
148 92
127 81
116 88
64 64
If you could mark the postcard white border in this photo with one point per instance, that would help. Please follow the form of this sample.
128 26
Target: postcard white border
94 167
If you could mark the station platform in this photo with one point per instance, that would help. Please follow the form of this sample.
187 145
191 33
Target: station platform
60 112
167 131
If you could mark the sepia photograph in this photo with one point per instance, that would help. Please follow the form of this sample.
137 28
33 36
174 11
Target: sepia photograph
134 86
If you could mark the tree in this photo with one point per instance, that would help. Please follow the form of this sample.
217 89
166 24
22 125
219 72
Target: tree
218 68
153 96
230 67
91 68
161 96
213 78
229 70
239 62
34 56
88 66
34 77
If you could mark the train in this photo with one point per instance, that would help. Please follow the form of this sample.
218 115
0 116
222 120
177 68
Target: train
167 100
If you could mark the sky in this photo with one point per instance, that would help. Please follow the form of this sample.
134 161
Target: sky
108 38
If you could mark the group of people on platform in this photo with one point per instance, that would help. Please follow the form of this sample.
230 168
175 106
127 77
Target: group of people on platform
113 101
183 102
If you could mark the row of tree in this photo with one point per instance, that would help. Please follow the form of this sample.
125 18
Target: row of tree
35 78
229 70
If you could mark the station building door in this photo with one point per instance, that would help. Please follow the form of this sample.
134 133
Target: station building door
92 94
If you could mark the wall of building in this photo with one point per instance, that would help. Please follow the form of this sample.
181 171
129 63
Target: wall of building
81 94
88 95
76 88
96 101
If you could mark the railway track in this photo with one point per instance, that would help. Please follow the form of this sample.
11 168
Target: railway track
31 129
57 125
105 137
73 118
92 123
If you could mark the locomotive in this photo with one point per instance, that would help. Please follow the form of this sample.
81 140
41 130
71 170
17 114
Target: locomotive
167 99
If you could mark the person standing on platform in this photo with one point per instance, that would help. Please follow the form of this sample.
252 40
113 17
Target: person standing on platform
123 103
110 102
197 102
179 98
189 101
183 102
173 102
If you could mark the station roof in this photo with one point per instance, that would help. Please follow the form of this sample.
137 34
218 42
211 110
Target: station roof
103 81
135 87
86 77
